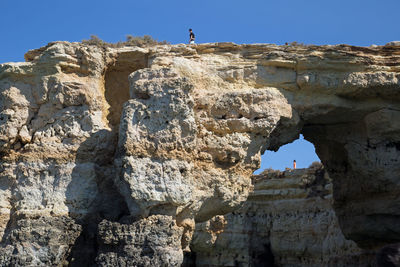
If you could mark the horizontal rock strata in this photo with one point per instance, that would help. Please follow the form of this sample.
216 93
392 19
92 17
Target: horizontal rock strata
92 138
287 221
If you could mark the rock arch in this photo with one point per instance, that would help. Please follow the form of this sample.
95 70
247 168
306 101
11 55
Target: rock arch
363 160
235 113
192 130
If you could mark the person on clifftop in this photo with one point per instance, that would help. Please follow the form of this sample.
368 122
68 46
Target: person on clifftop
191 37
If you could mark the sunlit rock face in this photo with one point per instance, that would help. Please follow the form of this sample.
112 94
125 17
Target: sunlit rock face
105 141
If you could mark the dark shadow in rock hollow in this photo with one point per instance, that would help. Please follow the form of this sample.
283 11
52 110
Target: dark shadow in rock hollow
117 83
389 256
264 258
189 259
94 164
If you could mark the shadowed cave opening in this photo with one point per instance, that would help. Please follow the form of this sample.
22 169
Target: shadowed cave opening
259 241
117 83
300 150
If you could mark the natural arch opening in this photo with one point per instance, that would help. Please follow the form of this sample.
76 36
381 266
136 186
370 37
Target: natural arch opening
117 83
300 150
285 209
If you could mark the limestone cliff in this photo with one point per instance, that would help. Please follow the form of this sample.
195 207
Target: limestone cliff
288 220
112 155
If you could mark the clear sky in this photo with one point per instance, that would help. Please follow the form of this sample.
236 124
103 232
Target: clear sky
300 150
27 24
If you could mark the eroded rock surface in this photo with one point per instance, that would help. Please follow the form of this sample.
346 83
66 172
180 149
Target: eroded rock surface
363 160
153 241
103 137
288 220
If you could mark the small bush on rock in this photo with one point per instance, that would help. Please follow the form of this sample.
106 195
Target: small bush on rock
315 165
141 41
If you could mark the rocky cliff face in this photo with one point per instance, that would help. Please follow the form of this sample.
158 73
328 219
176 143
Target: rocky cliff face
288 220
112 156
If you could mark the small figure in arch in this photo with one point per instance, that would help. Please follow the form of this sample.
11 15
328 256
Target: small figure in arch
191 37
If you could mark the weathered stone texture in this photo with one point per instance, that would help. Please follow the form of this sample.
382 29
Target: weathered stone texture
154 241
39 241
287 221
178 130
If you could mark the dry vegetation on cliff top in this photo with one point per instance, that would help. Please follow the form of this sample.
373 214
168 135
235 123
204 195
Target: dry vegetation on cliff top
145 41
141 41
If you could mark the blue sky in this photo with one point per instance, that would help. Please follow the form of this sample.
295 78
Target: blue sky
27 24
300 150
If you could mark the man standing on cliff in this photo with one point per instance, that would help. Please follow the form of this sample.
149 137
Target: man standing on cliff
191 37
